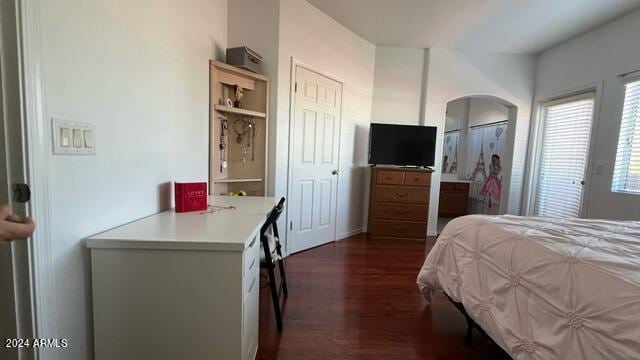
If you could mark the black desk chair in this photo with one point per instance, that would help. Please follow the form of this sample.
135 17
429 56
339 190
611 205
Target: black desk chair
272 256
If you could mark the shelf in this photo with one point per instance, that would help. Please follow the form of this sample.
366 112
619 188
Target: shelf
219 181
223 108
237 70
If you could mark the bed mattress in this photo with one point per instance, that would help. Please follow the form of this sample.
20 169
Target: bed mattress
543 288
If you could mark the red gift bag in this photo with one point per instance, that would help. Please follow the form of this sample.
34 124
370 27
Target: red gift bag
191 196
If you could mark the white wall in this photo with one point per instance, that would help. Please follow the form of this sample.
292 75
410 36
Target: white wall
430 79
598 57
486 111
481 111
310 36
256 25
284 29
139 71
397 88
456 113
453 74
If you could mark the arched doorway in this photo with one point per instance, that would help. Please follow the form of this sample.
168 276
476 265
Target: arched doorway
477 157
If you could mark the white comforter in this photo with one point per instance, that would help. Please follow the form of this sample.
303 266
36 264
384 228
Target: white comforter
543 288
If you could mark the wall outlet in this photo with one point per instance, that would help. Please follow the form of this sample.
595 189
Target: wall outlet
73 137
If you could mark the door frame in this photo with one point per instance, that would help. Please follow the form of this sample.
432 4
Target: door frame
35 155
292 107
9 327
535 145
37 140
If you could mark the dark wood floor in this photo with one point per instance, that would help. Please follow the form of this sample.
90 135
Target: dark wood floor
357 299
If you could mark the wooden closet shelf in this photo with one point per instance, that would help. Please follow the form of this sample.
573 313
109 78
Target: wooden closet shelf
227 180
223 108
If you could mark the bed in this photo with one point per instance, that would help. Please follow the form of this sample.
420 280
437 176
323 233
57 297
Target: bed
543 288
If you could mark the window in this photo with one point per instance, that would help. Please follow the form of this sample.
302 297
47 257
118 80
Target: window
626 174
566 131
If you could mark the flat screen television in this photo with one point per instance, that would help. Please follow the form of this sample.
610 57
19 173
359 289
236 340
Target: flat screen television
402 145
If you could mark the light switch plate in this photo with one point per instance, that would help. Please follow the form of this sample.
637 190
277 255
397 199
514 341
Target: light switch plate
77 138
73 137
65 137
88 139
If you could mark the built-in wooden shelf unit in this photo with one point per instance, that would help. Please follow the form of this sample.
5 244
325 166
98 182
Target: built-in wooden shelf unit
241 163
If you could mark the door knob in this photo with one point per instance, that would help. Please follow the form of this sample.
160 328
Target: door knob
335 172
21 193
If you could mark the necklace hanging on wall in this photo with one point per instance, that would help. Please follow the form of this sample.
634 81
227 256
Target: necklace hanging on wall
253 139
224 127
241 127
245 150
246 131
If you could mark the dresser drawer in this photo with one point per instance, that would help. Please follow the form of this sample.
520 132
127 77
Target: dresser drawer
251 259
417 179
389 177
453 203
447 186
403 194
400 211
402 229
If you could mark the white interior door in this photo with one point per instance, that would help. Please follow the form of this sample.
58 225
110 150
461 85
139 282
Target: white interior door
314 141
566 134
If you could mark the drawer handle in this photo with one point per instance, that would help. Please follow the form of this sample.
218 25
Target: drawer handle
253 242
252 264
398 229
389 178
404 194
252 284
401 212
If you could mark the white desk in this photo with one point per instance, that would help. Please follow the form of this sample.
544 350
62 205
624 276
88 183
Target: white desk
180 286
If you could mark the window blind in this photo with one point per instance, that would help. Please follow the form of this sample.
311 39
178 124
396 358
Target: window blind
626 173
563 158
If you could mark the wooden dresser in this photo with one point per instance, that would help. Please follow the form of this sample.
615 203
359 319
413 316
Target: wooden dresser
399 203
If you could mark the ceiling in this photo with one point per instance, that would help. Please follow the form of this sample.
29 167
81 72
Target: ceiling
515 26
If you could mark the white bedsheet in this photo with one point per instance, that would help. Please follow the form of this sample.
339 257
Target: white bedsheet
543 288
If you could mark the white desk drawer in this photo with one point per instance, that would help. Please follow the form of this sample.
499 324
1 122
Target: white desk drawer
251 322
252 347
251 284
227 263
251 259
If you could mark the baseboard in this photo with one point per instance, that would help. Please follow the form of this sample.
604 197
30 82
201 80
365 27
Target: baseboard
349 234
338 238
